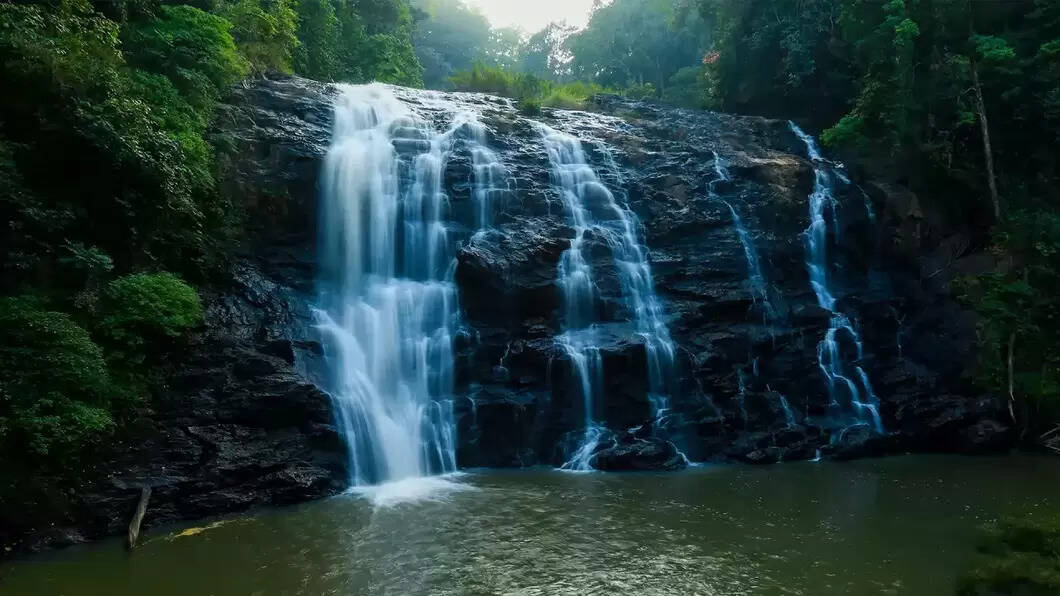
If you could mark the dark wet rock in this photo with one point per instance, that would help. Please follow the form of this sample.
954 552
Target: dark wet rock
516 395
765 455
630 453
856 442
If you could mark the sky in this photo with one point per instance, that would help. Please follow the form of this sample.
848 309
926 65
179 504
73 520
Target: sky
533 15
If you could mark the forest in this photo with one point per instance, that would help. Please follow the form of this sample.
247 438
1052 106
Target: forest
109 180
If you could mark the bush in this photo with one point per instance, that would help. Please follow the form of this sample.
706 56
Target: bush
687 88
642 91
533 92
1021 556
54 387
138 309
529 106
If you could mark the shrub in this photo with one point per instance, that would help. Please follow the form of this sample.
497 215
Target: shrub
146 307
529 106
1022 556
565 97
54 387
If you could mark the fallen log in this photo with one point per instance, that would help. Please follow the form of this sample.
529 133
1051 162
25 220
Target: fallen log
138 518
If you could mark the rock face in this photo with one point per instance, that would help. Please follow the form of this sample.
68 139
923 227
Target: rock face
740 363
240 424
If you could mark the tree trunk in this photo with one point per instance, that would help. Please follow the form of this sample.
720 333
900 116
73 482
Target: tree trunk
988 153
138 518
1011 383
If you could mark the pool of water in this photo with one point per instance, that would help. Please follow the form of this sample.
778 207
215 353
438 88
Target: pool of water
903 525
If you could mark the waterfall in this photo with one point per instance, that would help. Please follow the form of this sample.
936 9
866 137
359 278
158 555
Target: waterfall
592 210
785 407
387 305
755 278
861 402
487 171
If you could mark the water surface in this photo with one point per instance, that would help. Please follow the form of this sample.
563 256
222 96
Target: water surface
901 525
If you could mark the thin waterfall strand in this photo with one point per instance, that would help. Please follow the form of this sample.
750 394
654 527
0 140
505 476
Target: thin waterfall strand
862 403
757 281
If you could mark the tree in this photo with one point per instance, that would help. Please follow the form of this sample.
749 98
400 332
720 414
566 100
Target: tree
319 32
545 53
450 36
264 32
632 42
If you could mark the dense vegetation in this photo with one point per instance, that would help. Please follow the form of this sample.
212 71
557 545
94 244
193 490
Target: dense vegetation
108 184
1019 556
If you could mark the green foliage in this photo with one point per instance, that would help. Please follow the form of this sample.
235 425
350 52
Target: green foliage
485 78
192 48
1023 305
534 92
357 41
452 36
138 309
319 31
545 53
75 112
629 43
54 386
773 57
1020 556
530 106
264 32
686 88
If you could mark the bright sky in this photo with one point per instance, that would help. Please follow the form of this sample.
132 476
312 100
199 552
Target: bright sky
533 15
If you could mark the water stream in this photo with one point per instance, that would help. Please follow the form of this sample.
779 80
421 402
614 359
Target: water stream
849 388
755 278
388 306
595 215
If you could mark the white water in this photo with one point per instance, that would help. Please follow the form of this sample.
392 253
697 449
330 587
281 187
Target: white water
388 306
756 279
592 209
412 490
785 407
487 172
861 403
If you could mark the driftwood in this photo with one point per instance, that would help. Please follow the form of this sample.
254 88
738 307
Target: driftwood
138 518
1051 440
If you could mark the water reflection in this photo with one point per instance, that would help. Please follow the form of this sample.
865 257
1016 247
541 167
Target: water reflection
892 526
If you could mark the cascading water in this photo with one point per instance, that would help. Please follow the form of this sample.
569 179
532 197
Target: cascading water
591 208
861 402
754 269
388 305
487 171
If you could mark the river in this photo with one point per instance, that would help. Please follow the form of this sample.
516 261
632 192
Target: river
902 525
